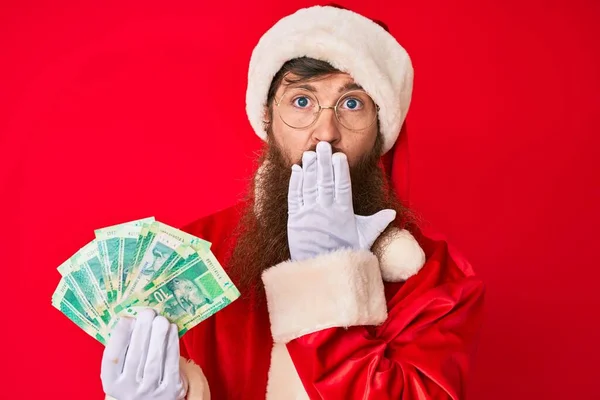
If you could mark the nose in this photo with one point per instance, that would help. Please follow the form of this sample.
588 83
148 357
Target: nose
326 127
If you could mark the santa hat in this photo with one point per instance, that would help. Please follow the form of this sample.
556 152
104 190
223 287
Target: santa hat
349 42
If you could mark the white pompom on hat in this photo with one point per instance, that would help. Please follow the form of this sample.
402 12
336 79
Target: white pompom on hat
349 42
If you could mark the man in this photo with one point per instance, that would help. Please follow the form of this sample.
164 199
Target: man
343 296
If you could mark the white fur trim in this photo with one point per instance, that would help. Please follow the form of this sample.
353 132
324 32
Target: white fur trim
193 378
349 42
284 382
402 258
338 289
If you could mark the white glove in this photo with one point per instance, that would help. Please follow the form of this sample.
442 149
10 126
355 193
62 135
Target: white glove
321 215
141 360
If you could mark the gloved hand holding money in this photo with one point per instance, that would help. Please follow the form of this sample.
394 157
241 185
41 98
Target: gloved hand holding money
137 265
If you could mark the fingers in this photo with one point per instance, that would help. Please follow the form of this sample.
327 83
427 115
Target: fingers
341 172
171 373
324 174
370 227
138 347
324 177
114 352
153 369
295 190
309 175
142 359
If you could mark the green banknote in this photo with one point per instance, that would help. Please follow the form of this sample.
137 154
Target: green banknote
141 264
191 293
144 240
182 257
116 245
81 281
65 300
157 252
88 259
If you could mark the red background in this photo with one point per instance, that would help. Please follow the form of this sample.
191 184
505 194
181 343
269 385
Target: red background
112 113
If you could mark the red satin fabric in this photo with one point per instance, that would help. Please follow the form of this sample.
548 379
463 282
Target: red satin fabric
422 351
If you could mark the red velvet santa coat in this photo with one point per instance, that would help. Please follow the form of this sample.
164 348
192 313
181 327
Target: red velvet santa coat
344 325
340 331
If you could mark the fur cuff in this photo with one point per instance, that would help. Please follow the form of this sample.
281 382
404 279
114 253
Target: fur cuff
342 288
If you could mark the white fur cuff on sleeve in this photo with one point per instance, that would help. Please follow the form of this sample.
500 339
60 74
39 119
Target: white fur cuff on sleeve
338 289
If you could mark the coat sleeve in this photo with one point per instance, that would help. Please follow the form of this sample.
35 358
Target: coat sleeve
346 341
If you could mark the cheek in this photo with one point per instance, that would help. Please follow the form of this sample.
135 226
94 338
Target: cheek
291 141
358 146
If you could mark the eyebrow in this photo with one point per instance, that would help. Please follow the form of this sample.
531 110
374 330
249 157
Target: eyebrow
350 86
347 87
302 86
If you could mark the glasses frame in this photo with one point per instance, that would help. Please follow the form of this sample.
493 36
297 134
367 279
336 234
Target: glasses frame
334 108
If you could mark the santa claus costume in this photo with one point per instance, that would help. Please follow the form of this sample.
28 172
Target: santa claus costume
346 324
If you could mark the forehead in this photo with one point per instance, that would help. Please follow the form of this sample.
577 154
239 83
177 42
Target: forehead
332 84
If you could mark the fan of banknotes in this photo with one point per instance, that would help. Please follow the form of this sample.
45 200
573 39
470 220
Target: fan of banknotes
142 264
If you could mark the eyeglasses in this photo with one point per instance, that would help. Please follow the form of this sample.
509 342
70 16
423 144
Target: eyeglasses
299 108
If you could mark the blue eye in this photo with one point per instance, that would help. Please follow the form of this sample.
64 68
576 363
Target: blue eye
301 102
352 104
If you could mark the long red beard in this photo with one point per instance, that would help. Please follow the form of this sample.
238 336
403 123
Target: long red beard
262 231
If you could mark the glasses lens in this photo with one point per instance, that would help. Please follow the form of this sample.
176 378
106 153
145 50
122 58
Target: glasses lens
356 110
298 108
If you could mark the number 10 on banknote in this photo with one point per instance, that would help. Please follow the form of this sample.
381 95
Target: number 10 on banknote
142 264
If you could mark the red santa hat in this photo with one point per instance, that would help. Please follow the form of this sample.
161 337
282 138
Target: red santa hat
349 42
